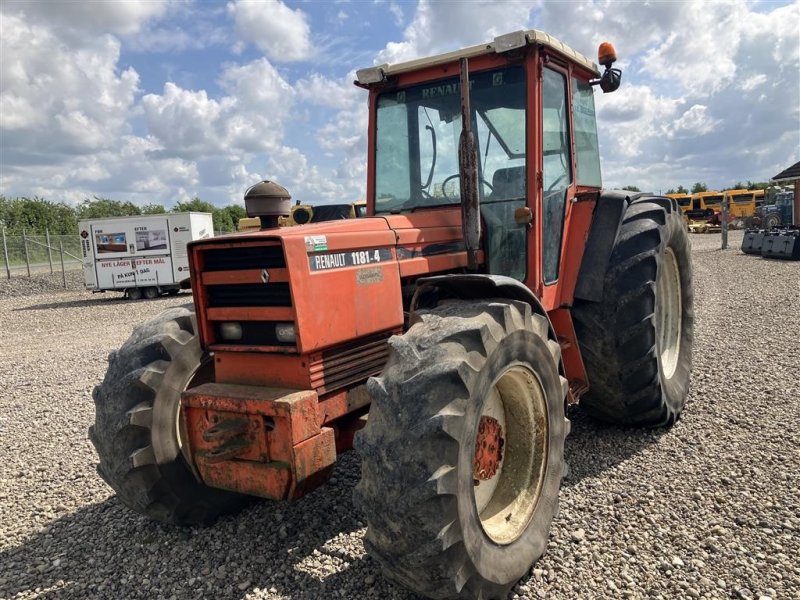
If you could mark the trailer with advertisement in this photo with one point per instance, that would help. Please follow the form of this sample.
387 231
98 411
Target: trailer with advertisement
141 256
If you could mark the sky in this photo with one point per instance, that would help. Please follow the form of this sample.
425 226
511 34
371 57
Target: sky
160 101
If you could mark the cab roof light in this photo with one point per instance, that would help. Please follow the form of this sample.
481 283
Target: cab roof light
611 78
371 75
510 41
606 54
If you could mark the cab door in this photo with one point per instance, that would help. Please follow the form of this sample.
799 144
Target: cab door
557 181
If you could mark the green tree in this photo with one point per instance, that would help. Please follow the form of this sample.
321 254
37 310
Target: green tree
153 209
100 208
37 215
235 212
631 188
194 205
699 187
222 219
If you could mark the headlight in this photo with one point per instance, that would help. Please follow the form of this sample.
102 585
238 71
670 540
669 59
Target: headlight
285 333
230 331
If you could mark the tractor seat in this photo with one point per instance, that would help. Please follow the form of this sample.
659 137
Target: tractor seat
505 238
508 184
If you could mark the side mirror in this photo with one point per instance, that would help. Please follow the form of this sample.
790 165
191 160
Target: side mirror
611 78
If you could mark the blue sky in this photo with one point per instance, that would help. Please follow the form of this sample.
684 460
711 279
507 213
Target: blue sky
163 100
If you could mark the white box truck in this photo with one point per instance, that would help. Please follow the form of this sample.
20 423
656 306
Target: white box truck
141 256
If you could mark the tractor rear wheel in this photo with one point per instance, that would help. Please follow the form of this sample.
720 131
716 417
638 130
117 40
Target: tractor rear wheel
637 342
463 451
137 431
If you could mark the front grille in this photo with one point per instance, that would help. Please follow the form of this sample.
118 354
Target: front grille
246 283
244 257
249 294
349 363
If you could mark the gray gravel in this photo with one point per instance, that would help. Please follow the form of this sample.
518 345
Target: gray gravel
708 509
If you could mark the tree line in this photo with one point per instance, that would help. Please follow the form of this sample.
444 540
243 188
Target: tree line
37 215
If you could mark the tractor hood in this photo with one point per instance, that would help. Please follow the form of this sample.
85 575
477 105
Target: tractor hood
334 281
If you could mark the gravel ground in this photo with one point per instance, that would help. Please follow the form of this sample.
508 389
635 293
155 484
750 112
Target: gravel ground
709 508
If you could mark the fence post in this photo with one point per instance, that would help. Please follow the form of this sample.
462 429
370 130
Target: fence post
27 258
63 272
49 249
5 254
724 221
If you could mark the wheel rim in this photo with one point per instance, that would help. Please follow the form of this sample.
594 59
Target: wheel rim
509 484
169 435
669 314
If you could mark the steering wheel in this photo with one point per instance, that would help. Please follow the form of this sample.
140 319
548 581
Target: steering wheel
554 185
457 175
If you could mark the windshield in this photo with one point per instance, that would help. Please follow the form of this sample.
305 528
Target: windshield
418 129
712 199
684 201
742 197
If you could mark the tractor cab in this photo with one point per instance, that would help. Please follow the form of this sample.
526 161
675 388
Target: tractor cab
532 115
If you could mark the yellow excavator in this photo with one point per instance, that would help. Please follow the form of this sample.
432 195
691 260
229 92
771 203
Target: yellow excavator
306 213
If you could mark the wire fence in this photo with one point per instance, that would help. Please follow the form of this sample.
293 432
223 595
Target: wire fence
29 254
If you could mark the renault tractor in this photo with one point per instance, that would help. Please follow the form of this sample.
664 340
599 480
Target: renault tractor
493 283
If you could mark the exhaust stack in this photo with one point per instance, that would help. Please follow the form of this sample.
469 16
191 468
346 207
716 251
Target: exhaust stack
468 172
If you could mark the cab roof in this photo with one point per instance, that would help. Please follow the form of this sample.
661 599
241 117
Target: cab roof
502 43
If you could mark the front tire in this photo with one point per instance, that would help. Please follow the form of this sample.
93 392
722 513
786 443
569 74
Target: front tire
137 430
771 220
463 451
636 342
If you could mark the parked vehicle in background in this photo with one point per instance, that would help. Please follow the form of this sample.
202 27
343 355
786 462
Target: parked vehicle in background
684 201
780 213
704 205
742 206
141 256
308 213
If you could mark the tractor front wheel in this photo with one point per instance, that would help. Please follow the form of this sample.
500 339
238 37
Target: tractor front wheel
138 431
463 452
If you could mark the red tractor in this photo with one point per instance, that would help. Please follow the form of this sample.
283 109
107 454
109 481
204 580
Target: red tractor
492 283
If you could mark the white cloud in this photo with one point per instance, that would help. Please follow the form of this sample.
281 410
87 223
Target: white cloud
632 116
751 83
441 27
108 16
281 33
55 98
322 91
305 182
249 119
691 108
693 123
397 12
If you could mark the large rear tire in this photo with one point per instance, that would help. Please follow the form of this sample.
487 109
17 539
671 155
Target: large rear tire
637 342
137 430
772 220
463 451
